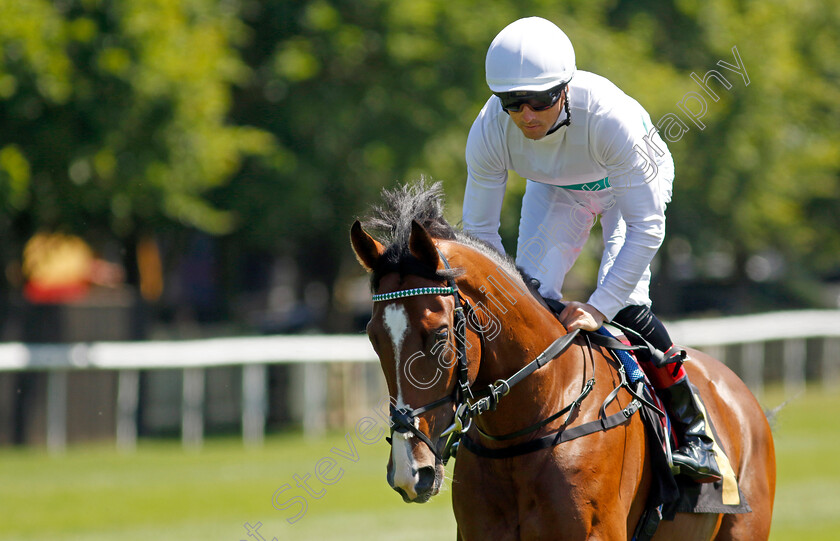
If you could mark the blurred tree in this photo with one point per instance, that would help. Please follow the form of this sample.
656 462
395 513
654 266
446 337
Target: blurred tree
126 117
114 117
360 94
760 181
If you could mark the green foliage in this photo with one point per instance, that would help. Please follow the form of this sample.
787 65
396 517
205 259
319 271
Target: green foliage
763 174
279 122
115 114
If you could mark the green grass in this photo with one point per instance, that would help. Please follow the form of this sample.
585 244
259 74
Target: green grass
807 438
161 492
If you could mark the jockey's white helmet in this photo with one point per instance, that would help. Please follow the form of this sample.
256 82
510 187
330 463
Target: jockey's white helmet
529 54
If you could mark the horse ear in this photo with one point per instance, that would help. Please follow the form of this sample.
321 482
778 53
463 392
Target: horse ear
422 246
368 249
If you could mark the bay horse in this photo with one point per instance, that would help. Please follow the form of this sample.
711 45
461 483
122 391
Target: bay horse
452 322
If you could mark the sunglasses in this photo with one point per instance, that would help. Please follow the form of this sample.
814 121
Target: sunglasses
538 101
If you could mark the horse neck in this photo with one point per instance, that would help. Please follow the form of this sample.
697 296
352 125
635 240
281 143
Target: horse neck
514 325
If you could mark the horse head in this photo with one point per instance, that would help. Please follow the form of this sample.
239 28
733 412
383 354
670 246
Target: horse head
412 330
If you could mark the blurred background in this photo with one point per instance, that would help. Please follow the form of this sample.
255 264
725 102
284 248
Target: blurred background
177 170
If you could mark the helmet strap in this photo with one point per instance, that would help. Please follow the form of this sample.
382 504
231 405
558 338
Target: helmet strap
566 121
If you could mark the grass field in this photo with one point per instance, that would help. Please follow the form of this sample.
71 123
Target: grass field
163 493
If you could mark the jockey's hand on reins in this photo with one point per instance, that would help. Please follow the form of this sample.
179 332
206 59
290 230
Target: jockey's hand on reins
579 315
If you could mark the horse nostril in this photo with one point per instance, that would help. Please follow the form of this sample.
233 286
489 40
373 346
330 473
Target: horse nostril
426 481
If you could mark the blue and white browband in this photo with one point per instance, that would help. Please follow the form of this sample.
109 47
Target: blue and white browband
414 292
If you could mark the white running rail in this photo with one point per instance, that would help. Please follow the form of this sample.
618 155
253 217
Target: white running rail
750 333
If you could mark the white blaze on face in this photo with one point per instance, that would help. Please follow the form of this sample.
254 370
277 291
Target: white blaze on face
396 322
405 470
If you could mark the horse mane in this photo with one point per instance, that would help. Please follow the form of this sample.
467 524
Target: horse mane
420 201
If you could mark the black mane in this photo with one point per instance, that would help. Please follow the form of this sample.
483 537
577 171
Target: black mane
392 219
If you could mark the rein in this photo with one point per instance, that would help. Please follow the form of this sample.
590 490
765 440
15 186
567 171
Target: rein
467 405
563 434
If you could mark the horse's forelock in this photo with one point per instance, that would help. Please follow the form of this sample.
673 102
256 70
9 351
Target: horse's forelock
419 201
423 202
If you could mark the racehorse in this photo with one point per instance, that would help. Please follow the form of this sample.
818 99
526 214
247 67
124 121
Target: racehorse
468 350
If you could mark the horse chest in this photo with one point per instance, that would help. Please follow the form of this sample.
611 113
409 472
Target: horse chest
537 496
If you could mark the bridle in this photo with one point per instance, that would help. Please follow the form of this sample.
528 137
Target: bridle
467 405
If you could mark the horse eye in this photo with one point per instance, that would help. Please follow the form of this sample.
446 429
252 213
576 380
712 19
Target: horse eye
438 339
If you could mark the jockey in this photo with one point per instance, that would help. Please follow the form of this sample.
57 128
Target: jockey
587 150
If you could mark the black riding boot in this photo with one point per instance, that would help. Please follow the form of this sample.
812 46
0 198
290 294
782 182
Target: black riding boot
695 456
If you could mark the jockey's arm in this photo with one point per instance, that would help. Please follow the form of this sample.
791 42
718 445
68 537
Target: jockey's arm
644 214
486 182
641 175
482 210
